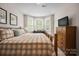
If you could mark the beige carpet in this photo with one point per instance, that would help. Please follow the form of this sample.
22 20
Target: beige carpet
60 53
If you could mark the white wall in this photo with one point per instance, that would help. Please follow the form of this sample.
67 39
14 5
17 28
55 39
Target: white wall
11 9
71 10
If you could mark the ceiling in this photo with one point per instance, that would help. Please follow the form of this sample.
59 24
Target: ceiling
36 9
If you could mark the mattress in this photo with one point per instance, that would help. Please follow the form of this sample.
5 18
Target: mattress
30 44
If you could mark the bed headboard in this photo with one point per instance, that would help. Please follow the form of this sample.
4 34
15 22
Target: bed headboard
10 27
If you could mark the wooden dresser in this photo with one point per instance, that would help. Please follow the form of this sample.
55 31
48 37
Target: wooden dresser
66 39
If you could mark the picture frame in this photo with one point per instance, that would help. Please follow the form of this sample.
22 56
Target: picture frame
3 16
13 19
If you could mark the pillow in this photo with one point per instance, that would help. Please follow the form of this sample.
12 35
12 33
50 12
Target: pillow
22 31
6 33
18 32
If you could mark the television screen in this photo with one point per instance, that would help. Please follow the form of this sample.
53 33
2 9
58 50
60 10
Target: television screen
63 21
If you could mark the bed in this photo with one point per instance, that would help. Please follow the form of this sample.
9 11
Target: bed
28 44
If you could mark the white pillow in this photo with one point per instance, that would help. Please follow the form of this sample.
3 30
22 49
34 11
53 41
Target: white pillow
18 32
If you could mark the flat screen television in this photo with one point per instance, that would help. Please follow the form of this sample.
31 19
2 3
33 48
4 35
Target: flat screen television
63 21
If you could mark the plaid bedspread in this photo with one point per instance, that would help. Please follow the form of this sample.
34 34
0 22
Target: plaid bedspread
36 44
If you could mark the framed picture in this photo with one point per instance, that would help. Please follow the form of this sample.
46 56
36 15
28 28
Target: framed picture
3 16
13 19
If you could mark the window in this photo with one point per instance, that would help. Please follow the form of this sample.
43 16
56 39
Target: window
39 24
30 24
48 24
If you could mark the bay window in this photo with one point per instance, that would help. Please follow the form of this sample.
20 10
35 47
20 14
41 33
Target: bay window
43 23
